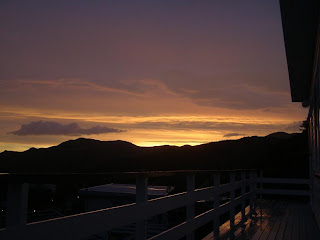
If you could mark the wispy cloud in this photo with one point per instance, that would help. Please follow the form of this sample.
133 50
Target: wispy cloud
225 127
77 83
55 128
294 126
151 95
233 135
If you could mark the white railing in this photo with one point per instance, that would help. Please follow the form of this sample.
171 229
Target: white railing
85 225
288 181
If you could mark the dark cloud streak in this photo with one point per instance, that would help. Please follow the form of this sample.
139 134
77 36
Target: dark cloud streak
55 128
233 135
218 126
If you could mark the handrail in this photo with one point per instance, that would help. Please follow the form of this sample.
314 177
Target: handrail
138 172
76 176
290 181
284 180
84 225
285 192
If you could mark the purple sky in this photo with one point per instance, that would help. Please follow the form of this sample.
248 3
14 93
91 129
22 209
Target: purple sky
158 72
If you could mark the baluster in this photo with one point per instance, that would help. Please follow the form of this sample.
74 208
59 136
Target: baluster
216 206
141 199
261 186
251 195
261 189
255 192
243 201
232 201
190 207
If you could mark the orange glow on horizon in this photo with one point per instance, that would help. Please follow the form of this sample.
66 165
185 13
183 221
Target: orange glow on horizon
229 116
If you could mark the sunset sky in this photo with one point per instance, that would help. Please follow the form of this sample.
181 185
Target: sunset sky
149 72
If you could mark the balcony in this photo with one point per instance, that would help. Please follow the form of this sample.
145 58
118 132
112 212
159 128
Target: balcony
239 204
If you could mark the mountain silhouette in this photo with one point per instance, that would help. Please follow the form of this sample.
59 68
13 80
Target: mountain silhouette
277 153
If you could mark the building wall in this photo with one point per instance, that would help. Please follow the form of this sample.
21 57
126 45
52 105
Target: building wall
314 143
316 199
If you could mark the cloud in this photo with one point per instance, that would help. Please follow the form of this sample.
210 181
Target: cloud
55 128
252 91
239 96
293 127
234 126
233 135
76 84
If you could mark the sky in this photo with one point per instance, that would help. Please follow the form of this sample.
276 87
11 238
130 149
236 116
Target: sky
150 72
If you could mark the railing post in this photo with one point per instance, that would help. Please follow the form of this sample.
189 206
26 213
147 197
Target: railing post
261 188
255 192
17 205
190 207
141 199
216 221
244 199
232 202
251 195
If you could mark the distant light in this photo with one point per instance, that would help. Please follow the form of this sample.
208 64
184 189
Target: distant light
34 210
52 200
1 210
78 197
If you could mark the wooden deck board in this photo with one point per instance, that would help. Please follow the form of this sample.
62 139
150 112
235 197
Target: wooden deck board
288 229
225 227
257 223
279 225
302 226
272 221
312 229
251 225
275 228
282 228
295 235
277 220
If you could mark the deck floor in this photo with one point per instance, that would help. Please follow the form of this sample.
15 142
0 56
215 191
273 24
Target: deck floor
275 220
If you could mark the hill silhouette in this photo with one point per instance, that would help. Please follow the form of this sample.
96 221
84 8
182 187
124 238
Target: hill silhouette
277 153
